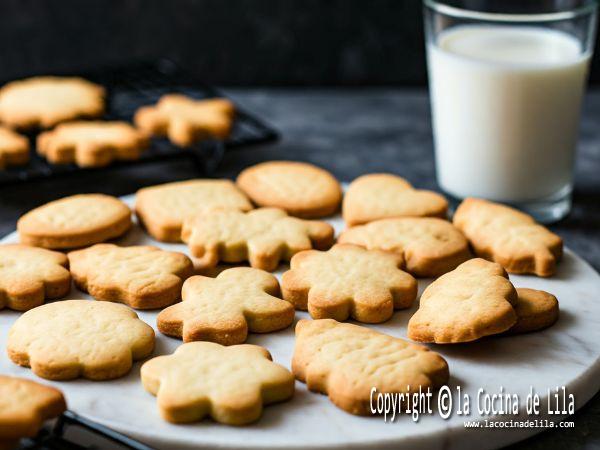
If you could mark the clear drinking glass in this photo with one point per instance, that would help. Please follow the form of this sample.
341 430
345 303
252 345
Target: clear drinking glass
506 82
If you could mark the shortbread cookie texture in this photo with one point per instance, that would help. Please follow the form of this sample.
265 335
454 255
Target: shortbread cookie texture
380 196
225 308
301 189
29 275
348 282
430 247
474 300
229 384
91 144
75 221
14 148
79 338
535 310
46 101
163 208
262 236
25 405
346 362
185 120
141 276
509 237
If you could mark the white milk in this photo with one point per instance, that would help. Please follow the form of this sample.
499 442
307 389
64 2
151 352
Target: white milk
506 103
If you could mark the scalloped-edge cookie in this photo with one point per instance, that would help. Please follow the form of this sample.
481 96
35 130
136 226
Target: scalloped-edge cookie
24 407
229 384
383 195
474 300
141 276
263 236
91 144
30 275
79 338
163 208
46 101
301 189
429 246
509 237
75 221
224 309
185 120
14 148
346 362
348 281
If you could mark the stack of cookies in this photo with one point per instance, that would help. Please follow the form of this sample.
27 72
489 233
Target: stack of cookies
273 213
56 106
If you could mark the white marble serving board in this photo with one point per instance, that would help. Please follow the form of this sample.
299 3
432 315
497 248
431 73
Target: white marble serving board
566 354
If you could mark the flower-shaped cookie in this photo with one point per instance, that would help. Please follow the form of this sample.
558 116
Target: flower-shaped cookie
347 361
141 276
225 308
29 275
79 338
262 236
229 384
348 282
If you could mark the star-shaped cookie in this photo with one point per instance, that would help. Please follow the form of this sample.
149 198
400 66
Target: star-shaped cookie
348 282
25 405
229 384
262 236
509 237
474 300
79 338
141 276
29 275
347 361
185 120
225 308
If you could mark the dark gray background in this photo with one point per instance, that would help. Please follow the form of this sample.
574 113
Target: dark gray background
349 131
229 42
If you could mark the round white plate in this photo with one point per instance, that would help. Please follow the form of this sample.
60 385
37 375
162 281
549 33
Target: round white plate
566 354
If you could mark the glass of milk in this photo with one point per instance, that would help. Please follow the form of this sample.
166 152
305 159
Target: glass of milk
506 81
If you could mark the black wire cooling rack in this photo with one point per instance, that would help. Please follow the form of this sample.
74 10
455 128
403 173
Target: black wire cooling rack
129 88
73 432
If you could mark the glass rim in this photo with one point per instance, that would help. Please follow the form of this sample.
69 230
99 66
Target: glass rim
438 6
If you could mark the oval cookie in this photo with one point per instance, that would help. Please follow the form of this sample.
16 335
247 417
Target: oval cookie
301 189
75 221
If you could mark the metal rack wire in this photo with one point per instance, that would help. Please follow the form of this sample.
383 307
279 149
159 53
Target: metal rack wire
143 84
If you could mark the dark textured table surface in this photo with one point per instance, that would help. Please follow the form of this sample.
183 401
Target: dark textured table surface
352 132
